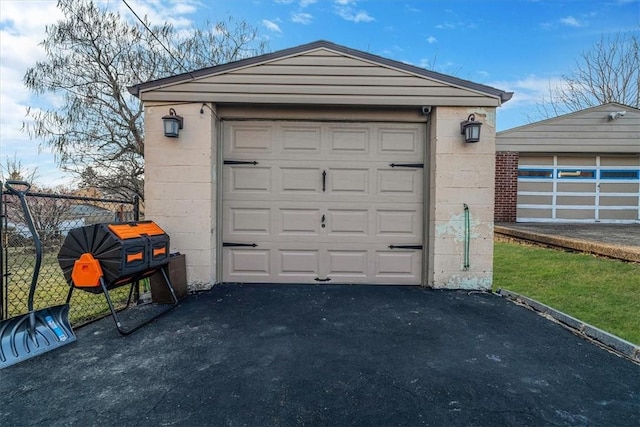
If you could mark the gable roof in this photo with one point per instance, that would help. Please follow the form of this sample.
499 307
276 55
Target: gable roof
321 72
591 130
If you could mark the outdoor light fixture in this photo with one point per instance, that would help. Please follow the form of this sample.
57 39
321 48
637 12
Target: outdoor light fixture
172 124
470 129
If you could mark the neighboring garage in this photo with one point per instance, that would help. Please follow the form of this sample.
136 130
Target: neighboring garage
323 164
579 167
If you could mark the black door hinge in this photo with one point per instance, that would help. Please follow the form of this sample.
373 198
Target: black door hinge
415 247
240 162
407 165
239 245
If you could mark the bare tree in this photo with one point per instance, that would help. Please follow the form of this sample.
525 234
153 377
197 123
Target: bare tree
14 170
92 56
608 72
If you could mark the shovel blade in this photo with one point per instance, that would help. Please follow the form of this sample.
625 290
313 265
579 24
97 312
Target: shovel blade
29 335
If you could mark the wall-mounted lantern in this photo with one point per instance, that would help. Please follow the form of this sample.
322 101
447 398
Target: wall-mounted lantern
172 124
470 129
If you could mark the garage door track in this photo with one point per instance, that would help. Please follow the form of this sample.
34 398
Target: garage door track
327 355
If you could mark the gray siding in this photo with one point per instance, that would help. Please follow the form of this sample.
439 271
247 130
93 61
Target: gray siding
317 77
586 131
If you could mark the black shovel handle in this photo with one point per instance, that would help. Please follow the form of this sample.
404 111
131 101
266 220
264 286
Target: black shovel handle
11 186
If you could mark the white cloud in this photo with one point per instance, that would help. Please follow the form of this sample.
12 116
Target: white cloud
158 12
271 26
431 40
22 28
348 15
301 18
346 10
570 21
305 3
530 90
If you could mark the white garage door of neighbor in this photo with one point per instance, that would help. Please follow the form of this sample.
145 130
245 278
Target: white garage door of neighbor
567 188
313 202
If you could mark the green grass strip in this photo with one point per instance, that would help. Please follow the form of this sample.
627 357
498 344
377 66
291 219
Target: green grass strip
602 292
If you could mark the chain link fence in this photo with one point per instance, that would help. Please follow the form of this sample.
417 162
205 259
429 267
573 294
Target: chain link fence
53 216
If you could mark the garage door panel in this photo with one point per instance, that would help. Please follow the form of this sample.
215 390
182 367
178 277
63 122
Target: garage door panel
577 214
531 213
576 200
247 220
400 141
620 214
349 141
300 179
619 200
352 181
529 186
399 183
247 264
351 264
279 204
304 140
397 264
615 187
395 223
535 200
249 139
347 222
298 262
569 187
298 221
248 179
576 160
619 161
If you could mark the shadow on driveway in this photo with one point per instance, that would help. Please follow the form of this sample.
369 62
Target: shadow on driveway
327 355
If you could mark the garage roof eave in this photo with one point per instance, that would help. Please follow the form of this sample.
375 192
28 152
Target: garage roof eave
137 90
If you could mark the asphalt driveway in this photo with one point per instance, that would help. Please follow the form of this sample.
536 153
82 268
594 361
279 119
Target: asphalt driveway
327 355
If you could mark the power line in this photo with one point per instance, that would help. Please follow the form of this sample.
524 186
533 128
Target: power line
157 39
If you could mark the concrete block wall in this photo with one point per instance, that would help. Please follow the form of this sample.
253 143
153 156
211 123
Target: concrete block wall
460 174
180 186
506 186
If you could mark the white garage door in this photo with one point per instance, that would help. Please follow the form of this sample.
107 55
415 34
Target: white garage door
310 202
567 188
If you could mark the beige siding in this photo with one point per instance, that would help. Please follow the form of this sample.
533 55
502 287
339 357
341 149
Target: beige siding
586 131
320 77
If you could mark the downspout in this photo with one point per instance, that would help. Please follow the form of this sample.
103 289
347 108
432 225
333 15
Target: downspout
426 206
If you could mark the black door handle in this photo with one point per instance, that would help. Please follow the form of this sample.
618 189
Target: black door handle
324 181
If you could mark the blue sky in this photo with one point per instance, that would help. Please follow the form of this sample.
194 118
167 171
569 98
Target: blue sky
515 45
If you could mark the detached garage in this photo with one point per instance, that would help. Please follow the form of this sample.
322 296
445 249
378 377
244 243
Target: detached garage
323 164
579 167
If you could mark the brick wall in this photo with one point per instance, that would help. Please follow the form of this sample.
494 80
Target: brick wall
506 194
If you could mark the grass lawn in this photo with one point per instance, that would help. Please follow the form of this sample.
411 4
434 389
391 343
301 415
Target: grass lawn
52 289
602 292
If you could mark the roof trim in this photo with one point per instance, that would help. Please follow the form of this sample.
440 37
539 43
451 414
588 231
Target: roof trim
454 81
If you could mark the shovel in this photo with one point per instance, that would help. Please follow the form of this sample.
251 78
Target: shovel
38 331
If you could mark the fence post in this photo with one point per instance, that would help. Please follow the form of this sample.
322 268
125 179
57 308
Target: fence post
2 255
136 208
